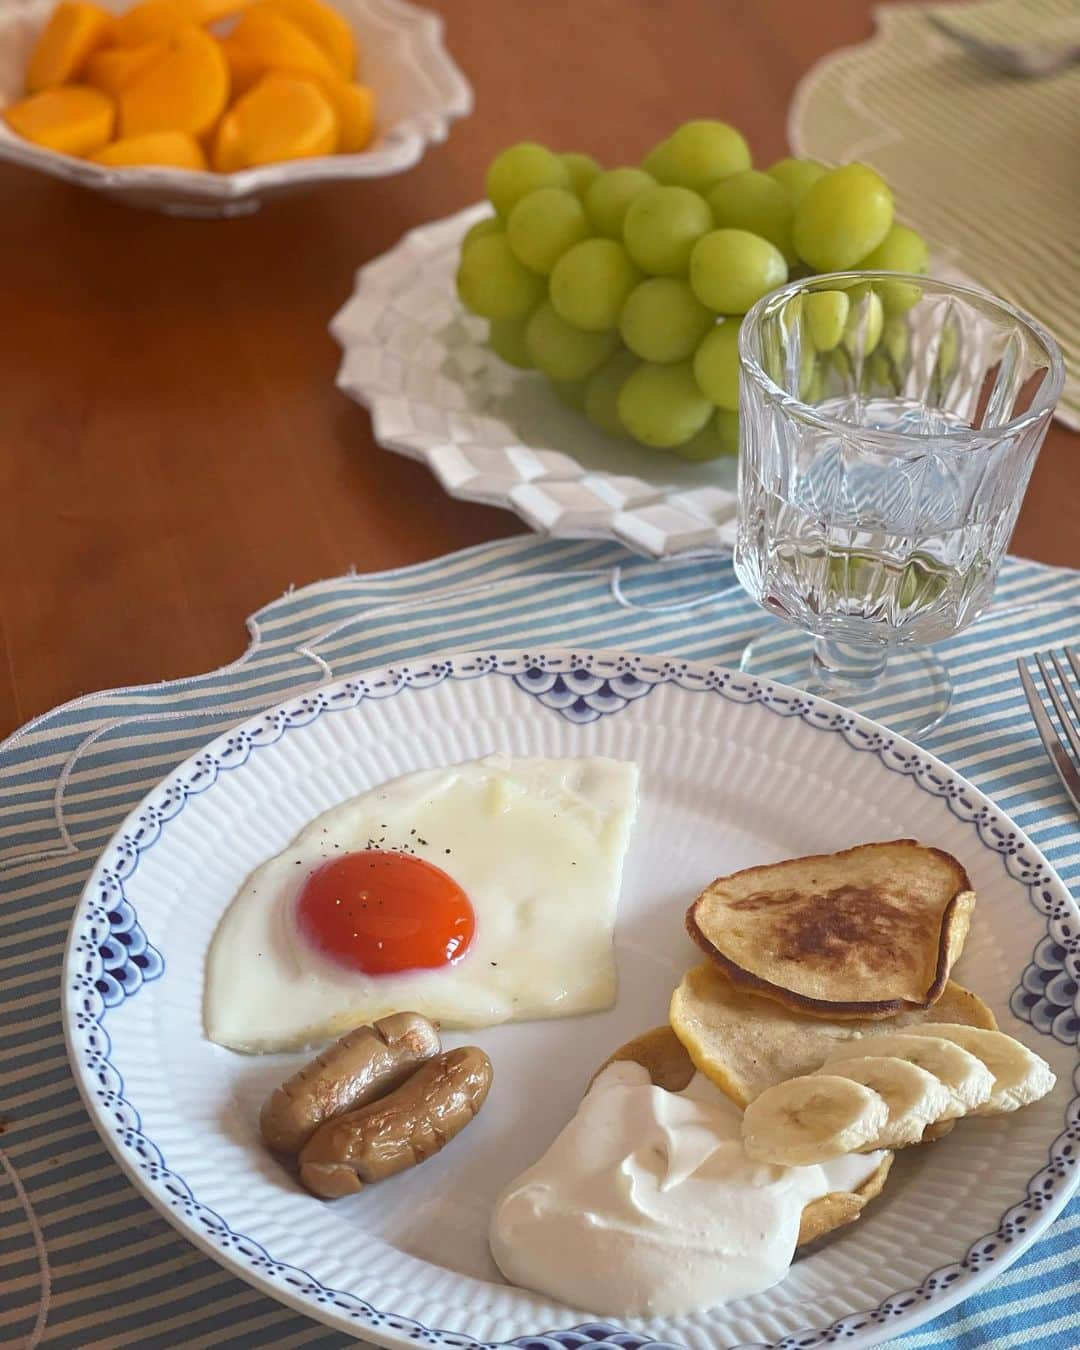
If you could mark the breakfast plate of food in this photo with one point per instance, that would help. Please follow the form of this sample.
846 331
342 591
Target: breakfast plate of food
539 998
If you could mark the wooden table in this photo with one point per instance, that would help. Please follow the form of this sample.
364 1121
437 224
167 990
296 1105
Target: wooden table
173 452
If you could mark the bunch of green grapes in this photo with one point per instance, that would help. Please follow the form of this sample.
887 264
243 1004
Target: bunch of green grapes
626 287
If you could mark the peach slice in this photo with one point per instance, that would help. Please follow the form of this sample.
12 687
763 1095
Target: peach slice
355 107
282 117
244 69
326 28
275 43
113 68
74 119
71 34
153 19
175 149
184 89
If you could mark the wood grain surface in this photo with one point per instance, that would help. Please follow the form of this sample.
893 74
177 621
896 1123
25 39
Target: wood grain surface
173 452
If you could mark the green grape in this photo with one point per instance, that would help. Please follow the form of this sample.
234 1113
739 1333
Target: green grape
732 269
653 163
662 226
719 436
590 283
492 283
772 355
880 375
842 217
753 201
663 320
662 406
522 169
896 339
796 176
506 338
826 314
697 155
543 225
890 362
562 351
602 392
727 426
489 225
862 332
945 363
811 374
716 365
570 392
948 348
610 195
902 250
923 583
583 169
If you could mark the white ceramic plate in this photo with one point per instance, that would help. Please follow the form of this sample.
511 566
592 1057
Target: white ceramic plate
734 772
490 433
419 91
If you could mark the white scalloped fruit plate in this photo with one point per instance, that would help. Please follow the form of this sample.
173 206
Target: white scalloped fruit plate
491 433
734 771
419 91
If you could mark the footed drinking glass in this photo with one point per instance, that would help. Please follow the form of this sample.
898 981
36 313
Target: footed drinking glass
889 425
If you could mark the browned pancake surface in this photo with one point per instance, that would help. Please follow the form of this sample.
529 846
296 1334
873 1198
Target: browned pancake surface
868 932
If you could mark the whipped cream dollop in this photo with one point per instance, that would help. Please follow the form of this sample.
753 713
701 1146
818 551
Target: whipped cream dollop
647 1205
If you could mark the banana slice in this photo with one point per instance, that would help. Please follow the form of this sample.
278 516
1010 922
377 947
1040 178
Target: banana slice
812 1119
969 1081
914 1097
1020 1076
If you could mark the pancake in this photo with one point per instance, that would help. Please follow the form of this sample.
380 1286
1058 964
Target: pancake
745 1043
870 932
662 1054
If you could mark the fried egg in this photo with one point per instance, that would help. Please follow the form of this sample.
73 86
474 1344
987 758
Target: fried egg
481 893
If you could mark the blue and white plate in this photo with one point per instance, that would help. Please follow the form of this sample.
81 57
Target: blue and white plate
734 771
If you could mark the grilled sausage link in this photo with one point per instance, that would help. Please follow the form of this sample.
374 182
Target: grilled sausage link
363 1065
400 1130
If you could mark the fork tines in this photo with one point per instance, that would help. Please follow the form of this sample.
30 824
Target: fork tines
1061 701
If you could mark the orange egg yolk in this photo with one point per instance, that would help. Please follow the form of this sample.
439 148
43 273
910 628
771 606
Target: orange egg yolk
380 912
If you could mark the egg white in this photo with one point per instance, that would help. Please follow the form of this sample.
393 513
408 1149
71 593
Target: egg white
536 844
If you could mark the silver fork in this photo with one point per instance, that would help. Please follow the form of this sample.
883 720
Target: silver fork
1067 764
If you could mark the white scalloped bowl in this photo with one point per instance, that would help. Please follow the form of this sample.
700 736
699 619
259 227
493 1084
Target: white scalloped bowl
419 91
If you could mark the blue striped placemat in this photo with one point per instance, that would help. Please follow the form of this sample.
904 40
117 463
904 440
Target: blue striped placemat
84 1261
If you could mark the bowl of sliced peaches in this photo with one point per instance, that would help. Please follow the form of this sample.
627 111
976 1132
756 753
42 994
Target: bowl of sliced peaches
207 107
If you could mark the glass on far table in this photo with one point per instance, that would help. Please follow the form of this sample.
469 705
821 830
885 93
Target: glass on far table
889 425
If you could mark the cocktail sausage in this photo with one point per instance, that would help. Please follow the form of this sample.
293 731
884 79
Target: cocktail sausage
400 1130
365 1064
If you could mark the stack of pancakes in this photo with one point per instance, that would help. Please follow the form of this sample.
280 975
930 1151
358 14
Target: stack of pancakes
806 954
